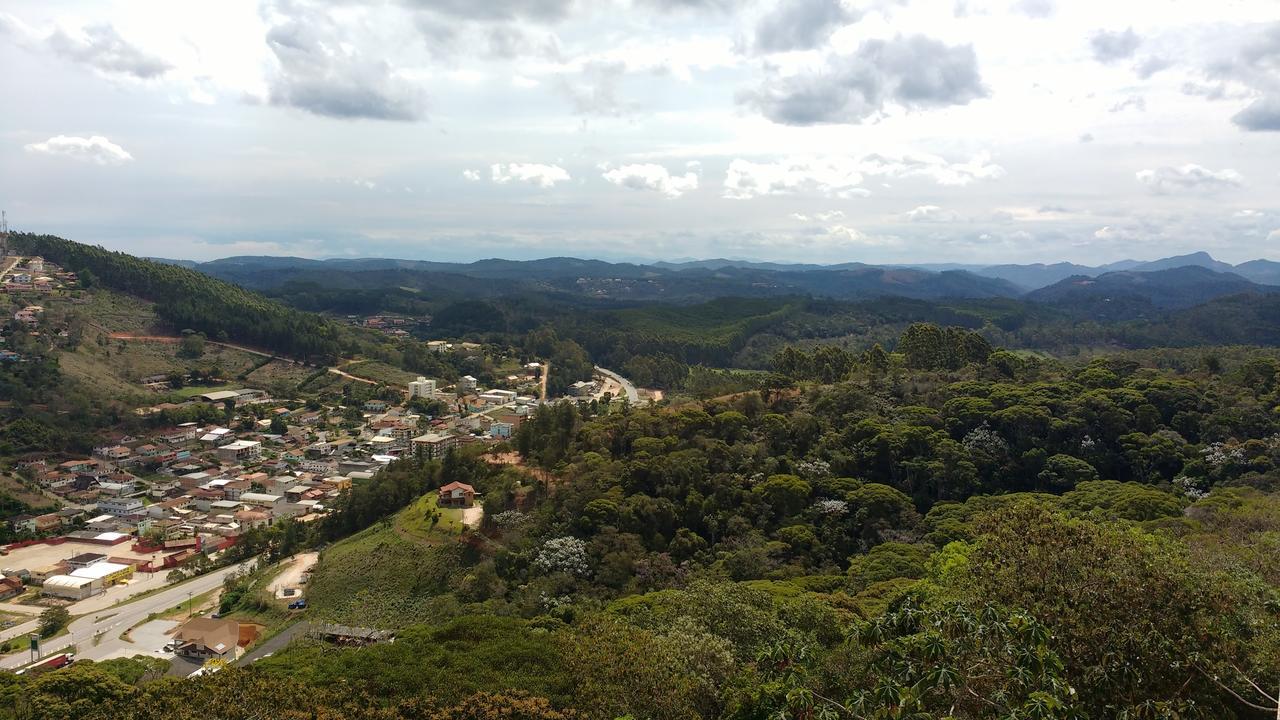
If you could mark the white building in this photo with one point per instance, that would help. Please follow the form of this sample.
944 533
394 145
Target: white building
423 388
120 506
240 451
71 588
466 383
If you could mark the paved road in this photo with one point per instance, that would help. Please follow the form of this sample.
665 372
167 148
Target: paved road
275 644
109 623
633 395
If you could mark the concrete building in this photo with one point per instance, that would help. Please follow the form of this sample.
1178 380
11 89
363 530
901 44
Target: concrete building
456 494
120 506
500 430
267 500
435 445
70 587
240 451
423 388
105 574
466 383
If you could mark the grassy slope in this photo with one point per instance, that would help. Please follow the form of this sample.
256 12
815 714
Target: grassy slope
387 575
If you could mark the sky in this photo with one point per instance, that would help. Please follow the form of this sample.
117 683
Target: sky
889 131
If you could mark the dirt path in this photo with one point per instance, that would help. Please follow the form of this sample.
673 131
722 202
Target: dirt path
291 575
173 340
15 260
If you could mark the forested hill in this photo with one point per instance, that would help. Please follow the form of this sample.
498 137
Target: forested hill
189 299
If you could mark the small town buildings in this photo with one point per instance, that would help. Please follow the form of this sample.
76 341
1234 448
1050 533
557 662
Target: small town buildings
467 383
500 430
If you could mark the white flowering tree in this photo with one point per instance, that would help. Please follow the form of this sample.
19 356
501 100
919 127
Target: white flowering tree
566 554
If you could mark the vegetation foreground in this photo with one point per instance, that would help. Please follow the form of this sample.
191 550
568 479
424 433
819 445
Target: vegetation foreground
911 541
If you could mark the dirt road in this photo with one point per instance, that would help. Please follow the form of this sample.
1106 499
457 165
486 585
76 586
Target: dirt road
173 340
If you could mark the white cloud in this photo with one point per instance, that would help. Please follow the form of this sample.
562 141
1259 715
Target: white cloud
832 176
649 176
95 149
842 176
471 175
1188 178
543 176
930 214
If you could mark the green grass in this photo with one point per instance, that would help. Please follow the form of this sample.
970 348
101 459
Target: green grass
381 578
193 390
415 521
380 372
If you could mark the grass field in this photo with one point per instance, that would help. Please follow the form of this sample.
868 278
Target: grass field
14 488
118 312
385 577
415 521
380 372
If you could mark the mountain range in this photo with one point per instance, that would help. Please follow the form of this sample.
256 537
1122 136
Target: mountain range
1168 283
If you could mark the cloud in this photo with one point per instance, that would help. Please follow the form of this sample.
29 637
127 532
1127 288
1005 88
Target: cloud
842 176
1188 178
845 235
543 176
1137 102
497 10
1152 65
648 176
934 168
471 175
1086 137
820 217
97 46
1261 114
801 24
96 149
914 72
322 72
834 177
594 91
1108 46
930 214
1255 69
1038 9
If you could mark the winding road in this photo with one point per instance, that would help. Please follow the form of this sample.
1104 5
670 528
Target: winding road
633 395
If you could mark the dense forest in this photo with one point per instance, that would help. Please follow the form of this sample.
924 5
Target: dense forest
948 530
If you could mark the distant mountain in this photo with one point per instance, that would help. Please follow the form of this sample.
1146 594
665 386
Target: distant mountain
1266 272
1119 295
189 264
1038 275
1199 259
596 279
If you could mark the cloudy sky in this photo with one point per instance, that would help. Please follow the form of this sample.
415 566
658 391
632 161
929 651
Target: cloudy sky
802 130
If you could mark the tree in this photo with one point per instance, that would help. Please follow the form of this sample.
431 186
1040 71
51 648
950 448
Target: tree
192 345
53 620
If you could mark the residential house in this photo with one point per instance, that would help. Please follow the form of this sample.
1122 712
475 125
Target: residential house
205 638
456 495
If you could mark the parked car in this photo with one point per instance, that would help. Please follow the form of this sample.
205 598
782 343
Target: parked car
298 604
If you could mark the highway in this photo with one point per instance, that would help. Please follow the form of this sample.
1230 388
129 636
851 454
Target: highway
111 622
633 395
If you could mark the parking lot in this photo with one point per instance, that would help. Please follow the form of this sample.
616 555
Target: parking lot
42 555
